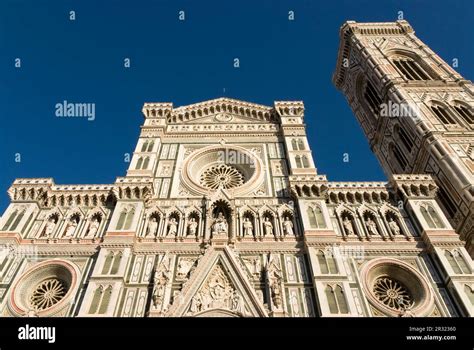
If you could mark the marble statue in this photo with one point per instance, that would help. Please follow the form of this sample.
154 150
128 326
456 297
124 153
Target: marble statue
192 227
152 227
172 227
267 227
288 226
248 227
220 226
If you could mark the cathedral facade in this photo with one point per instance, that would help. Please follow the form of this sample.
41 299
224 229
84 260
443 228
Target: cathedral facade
222 212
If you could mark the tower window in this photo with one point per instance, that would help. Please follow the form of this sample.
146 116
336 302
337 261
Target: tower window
372 98
465 113
399 157
407 142
411 70
447 202
443 115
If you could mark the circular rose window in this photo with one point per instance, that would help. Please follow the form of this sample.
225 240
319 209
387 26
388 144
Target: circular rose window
44 289
221 175
394 287
227 167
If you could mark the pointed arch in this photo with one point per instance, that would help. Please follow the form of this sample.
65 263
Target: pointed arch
331 298
139 163
299 164
305 161
341 300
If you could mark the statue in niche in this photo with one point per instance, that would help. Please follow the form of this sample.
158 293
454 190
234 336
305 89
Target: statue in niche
371 227
288 226
93 228
49 228
192 227
393 226
248 227
161 279
267 227
70 227
348 228
152 227
220 226
172 227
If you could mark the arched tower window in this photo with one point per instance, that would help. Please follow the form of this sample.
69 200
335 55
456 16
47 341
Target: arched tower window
316 217
96 299
145 163
341 300
327 263
431 216
330 296
336 300
105 300
372 98
305 161
144 146
457 262
108 263
464 113
300 144
299 164
116 265
294 145
406 140
150 146
139 163
410 69
443 115
121 220
10 219
129 219
399 157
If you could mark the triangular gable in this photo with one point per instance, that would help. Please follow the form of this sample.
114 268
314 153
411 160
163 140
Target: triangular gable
218 287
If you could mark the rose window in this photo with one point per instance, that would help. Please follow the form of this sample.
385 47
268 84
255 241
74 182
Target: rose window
48 293
222 176
392 293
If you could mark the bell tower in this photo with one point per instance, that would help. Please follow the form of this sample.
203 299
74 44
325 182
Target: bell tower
416 111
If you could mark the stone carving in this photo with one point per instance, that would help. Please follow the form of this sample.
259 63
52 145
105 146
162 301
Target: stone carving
220 225
238 304
93 228
288 227
70 227
348 228
216 293
248 227
152 227
184 266
393 226
192 227
267 227
160 280
172 227
49 228
371 227
254 265
275 278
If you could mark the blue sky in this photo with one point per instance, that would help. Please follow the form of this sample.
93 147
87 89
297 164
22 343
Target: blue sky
185 62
